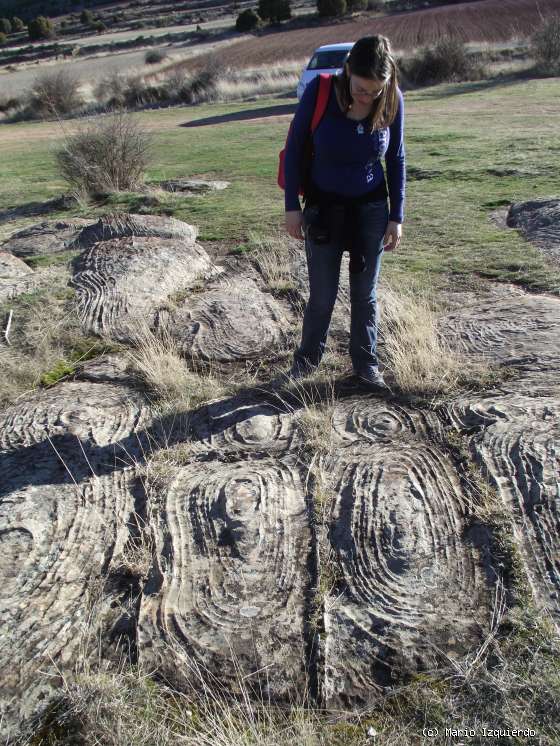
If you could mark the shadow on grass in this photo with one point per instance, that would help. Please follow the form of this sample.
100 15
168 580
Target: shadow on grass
36 209
239 116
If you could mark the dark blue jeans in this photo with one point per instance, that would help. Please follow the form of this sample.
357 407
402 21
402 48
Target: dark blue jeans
323 264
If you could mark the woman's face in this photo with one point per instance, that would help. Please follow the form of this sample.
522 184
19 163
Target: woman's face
364 91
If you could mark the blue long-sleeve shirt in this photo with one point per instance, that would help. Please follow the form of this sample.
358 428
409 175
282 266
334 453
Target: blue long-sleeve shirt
346 159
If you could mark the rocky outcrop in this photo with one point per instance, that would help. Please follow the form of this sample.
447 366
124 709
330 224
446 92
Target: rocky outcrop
193 186
66 501
341 567
539 221
11 267
48 237
219 323
129 265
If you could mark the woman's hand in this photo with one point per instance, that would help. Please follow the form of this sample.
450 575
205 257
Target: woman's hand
392 237
294 223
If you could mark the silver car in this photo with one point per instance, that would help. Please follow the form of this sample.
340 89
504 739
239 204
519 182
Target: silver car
329 58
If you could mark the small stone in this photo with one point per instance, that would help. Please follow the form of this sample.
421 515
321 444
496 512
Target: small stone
249 611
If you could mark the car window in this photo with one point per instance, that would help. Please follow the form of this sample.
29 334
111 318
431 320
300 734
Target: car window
328 60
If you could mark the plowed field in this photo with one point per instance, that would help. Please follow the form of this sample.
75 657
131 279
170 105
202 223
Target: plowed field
486 20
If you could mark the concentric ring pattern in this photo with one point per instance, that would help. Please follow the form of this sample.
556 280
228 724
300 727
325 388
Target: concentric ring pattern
411 572
65 502
233 547
519 450
234 321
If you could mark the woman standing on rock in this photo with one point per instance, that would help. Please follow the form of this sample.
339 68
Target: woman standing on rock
346 199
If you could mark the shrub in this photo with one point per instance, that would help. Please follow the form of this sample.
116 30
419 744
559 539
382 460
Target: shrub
5 26
247 20
154 56
357 5
447 60
40 28
546 45
99 26
54 94
202 87
7 104
86 17
138 93
3 38
331 7
274 10
117 90
17 24
105 155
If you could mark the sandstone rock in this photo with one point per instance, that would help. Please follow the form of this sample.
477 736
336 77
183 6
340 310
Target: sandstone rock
12 267
241 535
539 221
48 237
129 266
193 186
409 574
245 569
244 425
29 280
125 225
68 493
232 320
14 275
515 441
508 326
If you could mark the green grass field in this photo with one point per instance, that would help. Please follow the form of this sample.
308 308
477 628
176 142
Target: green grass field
471 148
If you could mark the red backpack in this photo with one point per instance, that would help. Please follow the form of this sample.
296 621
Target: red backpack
320 106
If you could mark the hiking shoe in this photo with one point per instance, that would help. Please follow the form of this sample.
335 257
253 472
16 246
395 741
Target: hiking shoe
373 380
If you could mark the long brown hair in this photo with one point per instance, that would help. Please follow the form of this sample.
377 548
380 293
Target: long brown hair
371 57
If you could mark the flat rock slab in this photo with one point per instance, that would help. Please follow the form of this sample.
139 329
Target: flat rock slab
12 267
237 570
193 186
126 225
244 425
68 493
230 578
109 368
539 222
14 275
517 446
412 570
128 269
507 326
30 281
48 237
230 320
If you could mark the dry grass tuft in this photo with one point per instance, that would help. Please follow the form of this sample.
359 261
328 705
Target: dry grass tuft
274 256
421 360
54 94
266 80
43 346
546 45
157 361
315 423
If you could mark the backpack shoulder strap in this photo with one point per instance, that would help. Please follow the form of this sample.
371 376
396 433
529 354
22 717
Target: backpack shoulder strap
322 99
